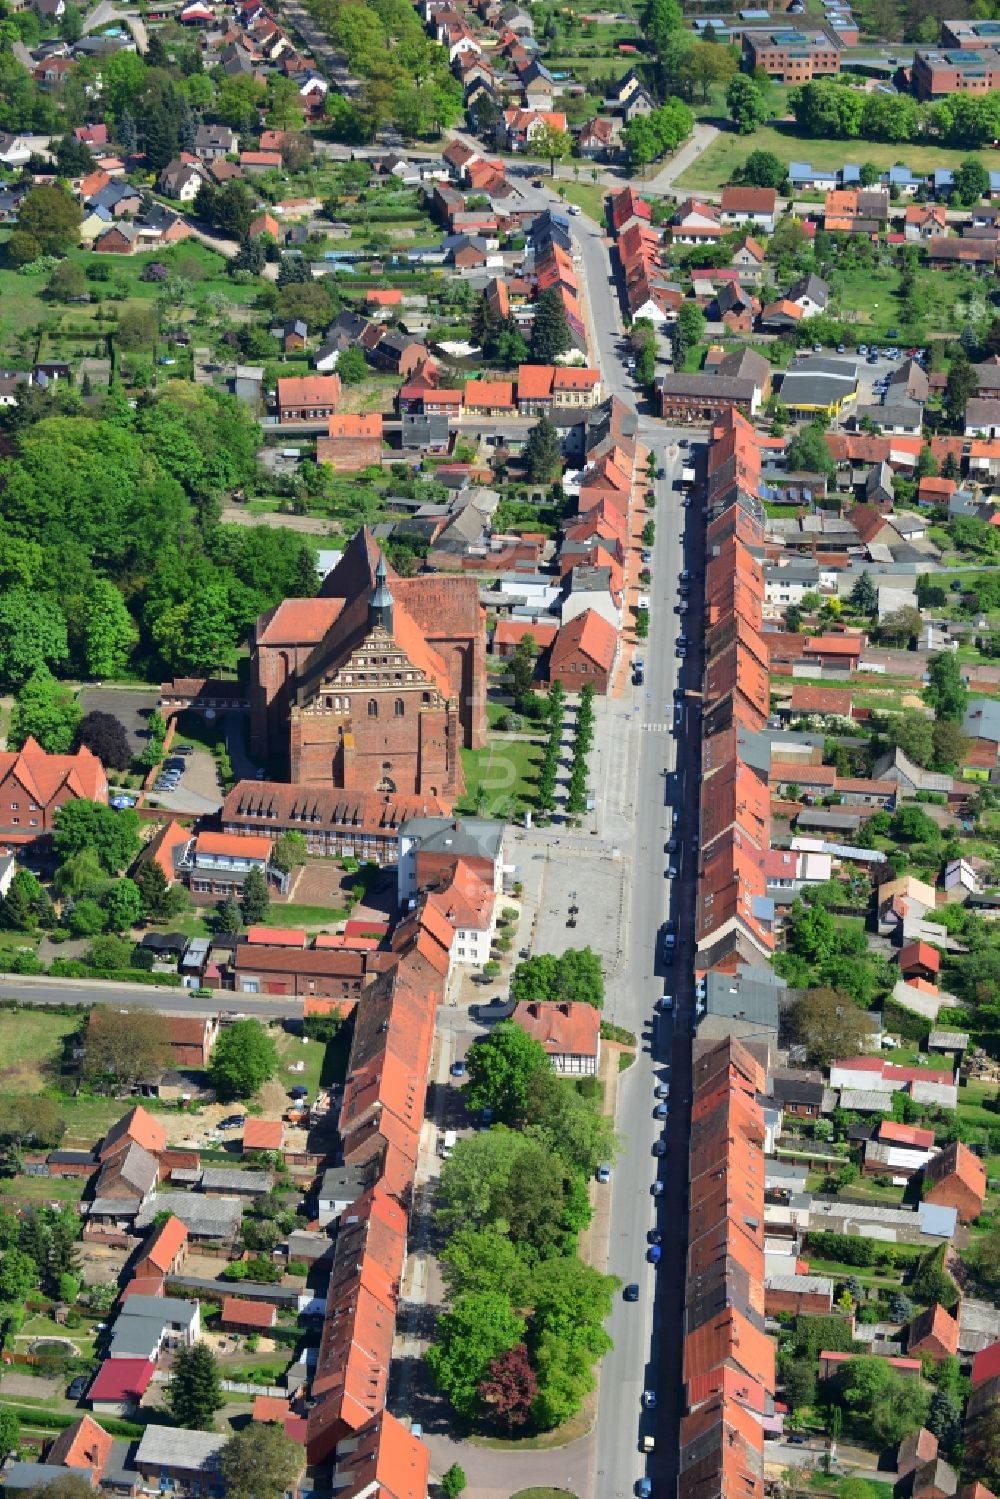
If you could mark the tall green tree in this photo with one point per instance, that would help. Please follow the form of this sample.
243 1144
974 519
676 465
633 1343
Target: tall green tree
245 1057
946 691
256 899
113 835
542 452
46 711
477 1329
550 335
109 633
32 636
500 1067
745 104
52 217
261 1462
962 384
194 1393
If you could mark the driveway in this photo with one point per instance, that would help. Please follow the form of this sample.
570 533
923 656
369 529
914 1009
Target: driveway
130 706
108 15
198 791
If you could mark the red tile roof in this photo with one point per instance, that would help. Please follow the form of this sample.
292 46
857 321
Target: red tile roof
121 1379
276 936
260 1314
571 1029
534 381
85 1444
250 846
263 1134
905 1134
921 954
591 635
986 1364
137 1127
166 1243
43 775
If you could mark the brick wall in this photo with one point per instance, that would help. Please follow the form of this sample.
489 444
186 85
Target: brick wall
349 454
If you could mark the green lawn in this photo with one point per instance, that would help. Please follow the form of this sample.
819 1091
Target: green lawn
589 196
714 168
868 296
973 1099
294 915
24 1189
297 1049
505 769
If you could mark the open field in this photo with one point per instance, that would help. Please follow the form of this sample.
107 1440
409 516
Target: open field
714 168
30 1041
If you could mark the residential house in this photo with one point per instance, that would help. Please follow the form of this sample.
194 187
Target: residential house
584 650
754 206
165 1252
353 442
307 398
213 141
216 864
933 1333
569 1032
186 1462
811 293
34 785
181 181
956 1178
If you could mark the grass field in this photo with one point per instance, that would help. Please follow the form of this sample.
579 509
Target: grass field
586 195
505 769
30 1040
297 1049
714 168
295 915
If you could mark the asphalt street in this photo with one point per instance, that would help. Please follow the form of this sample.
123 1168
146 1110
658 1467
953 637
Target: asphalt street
648 1335
168 1001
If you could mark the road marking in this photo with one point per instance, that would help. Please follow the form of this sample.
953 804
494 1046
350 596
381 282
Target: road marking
657 728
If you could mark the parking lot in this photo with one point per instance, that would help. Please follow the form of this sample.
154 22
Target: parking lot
873 370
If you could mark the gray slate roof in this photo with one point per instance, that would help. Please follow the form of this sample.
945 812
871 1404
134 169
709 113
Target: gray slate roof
205 1217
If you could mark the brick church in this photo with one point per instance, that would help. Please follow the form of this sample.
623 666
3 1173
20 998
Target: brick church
376 684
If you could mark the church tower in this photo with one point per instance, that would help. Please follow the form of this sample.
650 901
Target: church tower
380 600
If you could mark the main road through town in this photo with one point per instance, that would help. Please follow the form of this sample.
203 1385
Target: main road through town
648 1335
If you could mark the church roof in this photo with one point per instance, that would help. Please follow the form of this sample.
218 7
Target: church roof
300 621
355 573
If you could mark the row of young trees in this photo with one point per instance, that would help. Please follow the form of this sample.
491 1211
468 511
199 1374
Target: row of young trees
583 739
546 795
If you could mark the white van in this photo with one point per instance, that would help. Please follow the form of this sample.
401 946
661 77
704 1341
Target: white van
448 1143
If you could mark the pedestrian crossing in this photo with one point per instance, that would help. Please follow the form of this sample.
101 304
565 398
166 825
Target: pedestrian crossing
657 728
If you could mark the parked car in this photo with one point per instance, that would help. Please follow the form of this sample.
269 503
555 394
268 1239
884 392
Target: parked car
604 1173
233 1121
649 1399
77 1386
659 1148
631 1292
458 1068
